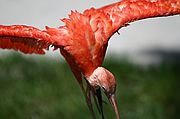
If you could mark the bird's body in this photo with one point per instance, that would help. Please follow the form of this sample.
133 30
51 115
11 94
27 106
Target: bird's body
84 39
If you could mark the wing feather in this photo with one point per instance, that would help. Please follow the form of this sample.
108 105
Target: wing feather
131 10
28 39
112 17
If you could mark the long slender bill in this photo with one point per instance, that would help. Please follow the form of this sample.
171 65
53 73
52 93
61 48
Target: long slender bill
112 99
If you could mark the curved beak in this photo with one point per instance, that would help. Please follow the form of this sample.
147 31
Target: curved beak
112 100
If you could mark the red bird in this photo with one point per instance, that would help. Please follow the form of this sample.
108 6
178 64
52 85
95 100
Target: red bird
84 39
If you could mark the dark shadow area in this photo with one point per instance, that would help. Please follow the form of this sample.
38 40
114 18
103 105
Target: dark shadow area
165 56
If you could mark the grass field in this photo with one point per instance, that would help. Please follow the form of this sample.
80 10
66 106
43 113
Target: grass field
46 89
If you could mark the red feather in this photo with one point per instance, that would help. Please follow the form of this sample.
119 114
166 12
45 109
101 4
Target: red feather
26 39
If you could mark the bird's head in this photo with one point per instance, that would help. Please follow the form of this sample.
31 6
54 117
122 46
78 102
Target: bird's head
104 79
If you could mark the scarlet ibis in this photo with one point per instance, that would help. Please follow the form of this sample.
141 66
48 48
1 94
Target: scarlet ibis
83 42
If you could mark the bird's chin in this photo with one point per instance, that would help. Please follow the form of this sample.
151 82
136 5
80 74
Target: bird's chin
94 86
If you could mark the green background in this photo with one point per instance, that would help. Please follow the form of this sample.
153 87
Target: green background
46 89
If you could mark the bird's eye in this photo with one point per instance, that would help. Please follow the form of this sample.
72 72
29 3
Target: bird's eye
104 89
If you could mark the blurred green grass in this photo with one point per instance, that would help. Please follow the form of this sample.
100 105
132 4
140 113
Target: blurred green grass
46 89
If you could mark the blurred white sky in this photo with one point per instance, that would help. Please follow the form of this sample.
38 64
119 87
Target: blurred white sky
149 34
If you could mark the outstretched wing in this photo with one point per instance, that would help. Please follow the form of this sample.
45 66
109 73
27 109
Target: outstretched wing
28 39
113 17
105 21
